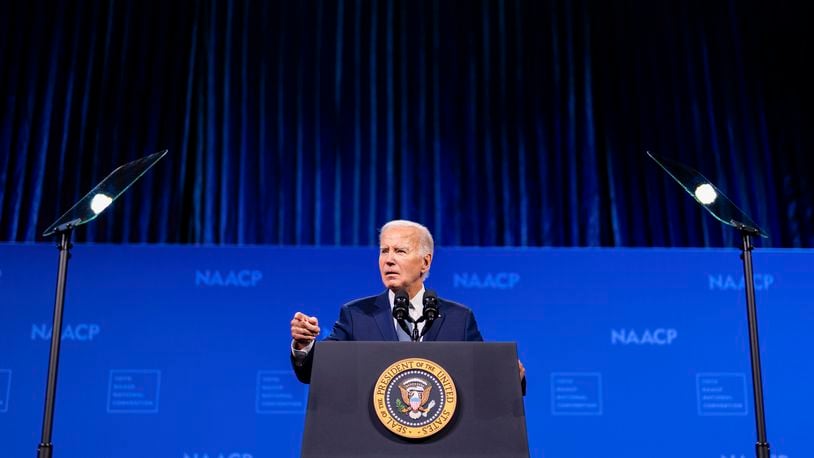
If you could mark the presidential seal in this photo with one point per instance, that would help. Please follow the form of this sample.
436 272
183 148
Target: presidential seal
414 398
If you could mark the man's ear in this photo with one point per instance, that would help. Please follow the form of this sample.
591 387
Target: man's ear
427 262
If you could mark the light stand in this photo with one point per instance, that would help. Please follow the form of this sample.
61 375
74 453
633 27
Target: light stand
725 211
84 211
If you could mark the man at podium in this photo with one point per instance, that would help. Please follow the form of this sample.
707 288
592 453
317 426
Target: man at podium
405 257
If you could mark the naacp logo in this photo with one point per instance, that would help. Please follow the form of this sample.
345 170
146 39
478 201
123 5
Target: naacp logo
414 398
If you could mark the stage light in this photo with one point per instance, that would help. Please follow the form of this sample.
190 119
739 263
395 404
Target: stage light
706 194
99 203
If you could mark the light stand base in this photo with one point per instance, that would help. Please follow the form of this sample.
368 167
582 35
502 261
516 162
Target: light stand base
45 451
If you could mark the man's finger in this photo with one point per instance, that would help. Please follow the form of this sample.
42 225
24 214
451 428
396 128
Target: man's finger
304 328
310 327
302 337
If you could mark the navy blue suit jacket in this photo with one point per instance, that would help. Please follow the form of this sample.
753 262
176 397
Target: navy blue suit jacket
371 318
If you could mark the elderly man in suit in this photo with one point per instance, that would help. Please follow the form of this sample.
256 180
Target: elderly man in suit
405 257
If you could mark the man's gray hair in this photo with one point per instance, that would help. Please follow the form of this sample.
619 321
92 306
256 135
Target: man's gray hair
425 242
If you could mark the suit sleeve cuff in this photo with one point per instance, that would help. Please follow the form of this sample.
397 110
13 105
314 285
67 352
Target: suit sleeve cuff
300 355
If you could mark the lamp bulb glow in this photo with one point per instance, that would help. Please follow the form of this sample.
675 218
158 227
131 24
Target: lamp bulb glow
99 203
706 194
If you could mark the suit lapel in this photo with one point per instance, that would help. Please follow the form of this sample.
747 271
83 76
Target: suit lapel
384 318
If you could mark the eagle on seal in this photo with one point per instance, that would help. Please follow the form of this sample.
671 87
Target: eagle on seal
415 399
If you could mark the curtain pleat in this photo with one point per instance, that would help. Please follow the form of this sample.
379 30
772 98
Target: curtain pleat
495 122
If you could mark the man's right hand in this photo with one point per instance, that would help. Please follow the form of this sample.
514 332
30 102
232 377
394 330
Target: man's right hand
304 330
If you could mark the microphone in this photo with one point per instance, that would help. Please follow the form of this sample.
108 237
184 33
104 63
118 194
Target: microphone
401 305
430 302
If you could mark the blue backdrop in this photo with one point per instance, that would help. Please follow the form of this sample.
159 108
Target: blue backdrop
181 351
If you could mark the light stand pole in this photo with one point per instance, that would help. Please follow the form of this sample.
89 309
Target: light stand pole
762 445
45 449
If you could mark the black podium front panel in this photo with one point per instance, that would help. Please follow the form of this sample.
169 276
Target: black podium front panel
489 419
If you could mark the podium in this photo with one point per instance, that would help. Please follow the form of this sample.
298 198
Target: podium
346 414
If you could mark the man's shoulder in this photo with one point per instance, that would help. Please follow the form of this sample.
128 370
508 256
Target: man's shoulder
453 306
364 303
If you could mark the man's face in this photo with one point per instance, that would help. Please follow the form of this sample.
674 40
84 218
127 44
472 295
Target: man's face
400 261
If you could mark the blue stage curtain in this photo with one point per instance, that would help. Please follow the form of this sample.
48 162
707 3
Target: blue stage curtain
517 123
